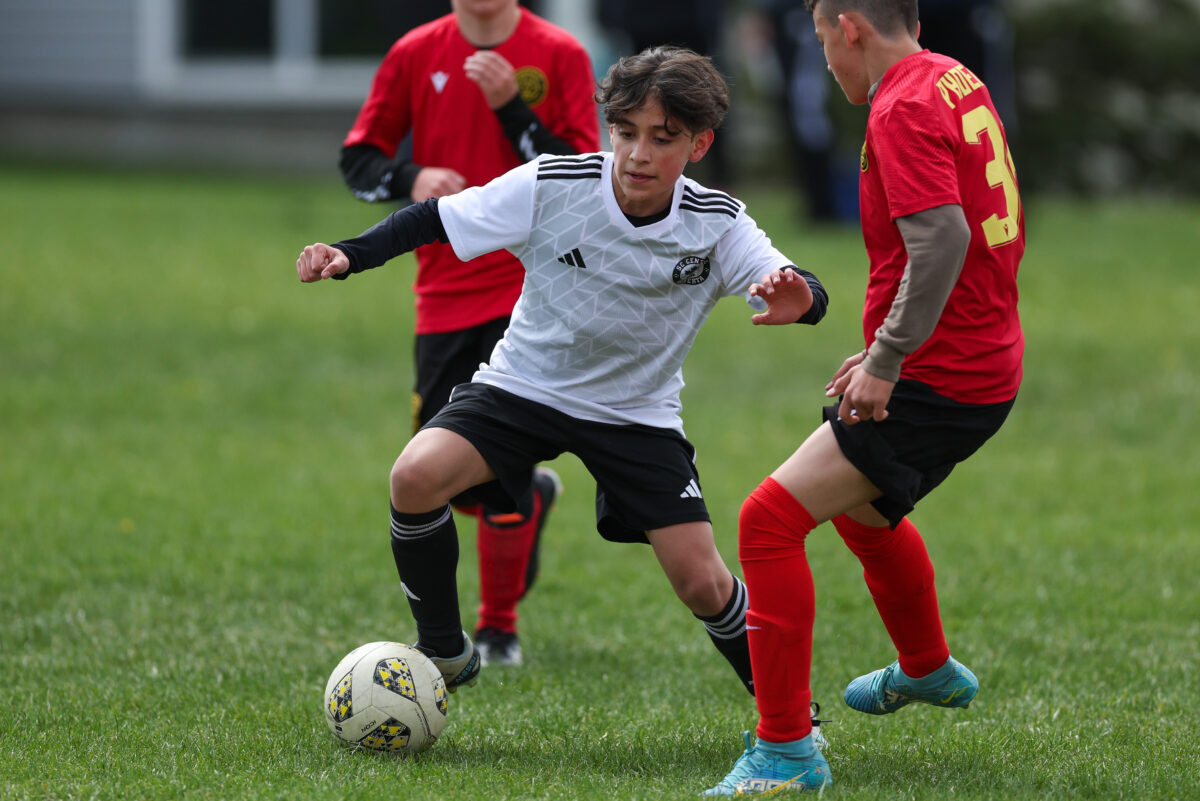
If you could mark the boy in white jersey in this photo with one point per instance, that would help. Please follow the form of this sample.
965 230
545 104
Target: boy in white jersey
625 259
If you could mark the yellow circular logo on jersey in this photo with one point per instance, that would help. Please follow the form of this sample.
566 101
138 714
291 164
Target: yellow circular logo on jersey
532 85
862 158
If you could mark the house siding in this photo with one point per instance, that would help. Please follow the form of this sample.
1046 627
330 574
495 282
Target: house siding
68 50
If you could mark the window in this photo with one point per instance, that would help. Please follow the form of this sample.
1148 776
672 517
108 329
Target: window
367 28
225 28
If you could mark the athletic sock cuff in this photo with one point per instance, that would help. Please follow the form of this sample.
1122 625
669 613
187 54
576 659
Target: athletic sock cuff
934 679
730 622
781 505
792 749
850 528
873 541
407 526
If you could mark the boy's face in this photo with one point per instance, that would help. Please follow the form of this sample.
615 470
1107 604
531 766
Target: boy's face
648 158
844 60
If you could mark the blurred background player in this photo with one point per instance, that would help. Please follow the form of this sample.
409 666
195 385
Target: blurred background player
473 94
944 232
974 32
698 25
802 99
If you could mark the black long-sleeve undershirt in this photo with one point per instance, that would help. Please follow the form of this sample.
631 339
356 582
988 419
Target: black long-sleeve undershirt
526 133
399 232
374 177
421 224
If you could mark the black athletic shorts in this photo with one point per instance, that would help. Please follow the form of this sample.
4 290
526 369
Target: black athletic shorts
646 477
913 450
443 361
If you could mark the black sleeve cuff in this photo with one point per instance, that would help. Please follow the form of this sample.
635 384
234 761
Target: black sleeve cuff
373 177
526 133
404 178
400 232
820 303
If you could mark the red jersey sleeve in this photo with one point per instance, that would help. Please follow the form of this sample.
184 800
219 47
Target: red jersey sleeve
915 149
577 85
384 119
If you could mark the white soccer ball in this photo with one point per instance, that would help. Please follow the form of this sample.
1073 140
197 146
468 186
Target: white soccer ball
386 696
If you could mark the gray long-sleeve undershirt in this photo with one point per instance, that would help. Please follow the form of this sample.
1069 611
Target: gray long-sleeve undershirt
936 241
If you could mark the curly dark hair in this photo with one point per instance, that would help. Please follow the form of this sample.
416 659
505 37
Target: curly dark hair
690 89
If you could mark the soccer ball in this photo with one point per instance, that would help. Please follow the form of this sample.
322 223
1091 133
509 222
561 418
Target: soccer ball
386 696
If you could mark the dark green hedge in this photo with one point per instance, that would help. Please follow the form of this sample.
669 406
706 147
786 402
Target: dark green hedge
1107 95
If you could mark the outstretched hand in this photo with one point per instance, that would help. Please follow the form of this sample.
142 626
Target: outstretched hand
319 261
864 396
787 296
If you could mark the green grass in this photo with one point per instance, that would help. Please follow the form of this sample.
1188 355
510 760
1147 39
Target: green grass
194 529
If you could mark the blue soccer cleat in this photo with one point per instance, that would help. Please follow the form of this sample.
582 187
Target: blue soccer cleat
763 769
884 691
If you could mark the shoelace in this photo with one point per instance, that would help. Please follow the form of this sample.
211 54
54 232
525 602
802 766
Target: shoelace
880 682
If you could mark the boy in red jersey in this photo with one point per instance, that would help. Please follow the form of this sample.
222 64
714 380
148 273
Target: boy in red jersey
481 90
943 228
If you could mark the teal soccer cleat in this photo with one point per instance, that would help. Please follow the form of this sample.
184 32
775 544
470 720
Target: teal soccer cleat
884 691
765 769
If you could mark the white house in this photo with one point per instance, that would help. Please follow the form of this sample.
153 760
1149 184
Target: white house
265 84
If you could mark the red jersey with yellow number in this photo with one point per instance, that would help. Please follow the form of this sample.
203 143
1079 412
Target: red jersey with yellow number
421 88
934 138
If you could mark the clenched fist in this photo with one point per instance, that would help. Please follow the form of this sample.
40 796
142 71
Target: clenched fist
319 261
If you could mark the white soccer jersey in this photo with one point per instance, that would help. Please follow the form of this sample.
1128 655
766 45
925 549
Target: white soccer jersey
608 310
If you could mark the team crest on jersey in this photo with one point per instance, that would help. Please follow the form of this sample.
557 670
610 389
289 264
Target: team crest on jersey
439 79
862 158
692 270
532 84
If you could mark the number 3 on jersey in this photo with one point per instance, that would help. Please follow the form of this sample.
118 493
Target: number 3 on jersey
1000 173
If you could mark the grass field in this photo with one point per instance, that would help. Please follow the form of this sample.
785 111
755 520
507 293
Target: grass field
193 523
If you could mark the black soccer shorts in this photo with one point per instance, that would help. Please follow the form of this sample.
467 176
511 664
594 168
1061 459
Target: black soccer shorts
445 360
646 477
916 446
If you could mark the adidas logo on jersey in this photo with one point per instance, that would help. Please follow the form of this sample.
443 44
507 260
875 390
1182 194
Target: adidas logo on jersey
692 490
574 259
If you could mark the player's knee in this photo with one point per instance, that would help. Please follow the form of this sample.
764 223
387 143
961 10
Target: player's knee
411 486
702 591
763 530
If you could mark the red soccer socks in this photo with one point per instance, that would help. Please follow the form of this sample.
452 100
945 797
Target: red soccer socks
771 532
900 578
